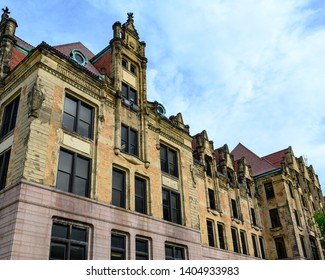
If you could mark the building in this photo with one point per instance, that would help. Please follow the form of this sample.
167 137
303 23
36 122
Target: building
91 169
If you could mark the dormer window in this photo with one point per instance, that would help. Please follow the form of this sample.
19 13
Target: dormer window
79 57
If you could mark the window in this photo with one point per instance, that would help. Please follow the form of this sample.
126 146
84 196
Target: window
303 201
234 236
9 117
275 219
296 217
253 217
168 160
129 96
208 166
73 173
129 140
230 176
262 247
4 164
118 188
254 241
78 117
210 231
174 252
314 249
280 247
212 201
141 249
243 242
140 195
303 246
171 206
125 63
118 246
68 242
269 191
221 236
133 69
234 208
291 190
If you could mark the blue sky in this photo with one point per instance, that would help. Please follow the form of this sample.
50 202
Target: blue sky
244 70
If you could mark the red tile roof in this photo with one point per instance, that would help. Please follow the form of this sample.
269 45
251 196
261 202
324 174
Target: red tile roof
276 158
258 165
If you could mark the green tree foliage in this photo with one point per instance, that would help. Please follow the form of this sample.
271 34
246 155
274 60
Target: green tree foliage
320 221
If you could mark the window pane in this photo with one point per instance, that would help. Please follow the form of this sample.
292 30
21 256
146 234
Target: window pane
57 251
79 234
70 106
118 180
4 164
84 129
65 162
77 252
68 122
179 253
63 181
59 230
133 142
125 91
85 114
82 167
124 138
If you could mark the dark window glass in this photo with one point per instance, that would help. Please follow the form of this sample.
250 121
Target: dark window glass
275 219
269 190
221 236
4 164
234 236
129 94
140 195
118 247
133 69
303 246
243 242
168 160
68 242
208 168
78 117
125 63
234 208
262 247
314 249
212 202
9 117
280 248
73 173
129 140
118 188
171 206
142 249
254 241
303 201
174 252
253 217
210 231
291 190
296 217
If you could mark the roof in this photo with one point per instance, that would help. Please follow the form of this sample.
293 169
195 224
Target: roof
67 49
276 158
259 165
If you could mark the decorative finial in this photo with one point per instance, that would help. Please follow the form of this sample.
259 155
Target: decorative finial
130 17
5 14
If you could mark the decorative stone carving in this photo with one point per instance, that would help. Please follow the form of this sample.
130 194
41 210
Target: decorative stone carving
35 99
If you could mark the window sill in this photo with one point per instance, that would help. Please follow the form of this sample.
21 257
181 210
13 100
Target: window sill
276 228
215 212
77 135
236 220
169 175
134 159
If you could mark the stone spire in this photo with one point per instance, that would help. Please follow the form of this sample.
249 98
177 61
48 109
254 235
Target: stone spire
7 40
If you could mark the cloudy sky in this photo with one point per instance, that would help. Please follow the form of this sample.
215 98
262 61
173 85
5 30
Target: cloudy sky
244 70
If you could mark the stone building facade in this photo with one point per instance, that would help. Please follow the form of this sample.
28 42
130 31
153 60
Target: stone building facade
91 169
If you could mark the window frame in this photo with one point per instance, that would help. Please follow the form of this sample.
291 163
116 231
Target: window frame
137 197
142 255
129 96
73 176
119 190
116 249
9 117
234 209
253 214
269 190
212 200
77 116
235 240
211 233
168 211
280 247
173 248
275 218
68 241
4 167
243 241
255 246
261 242
168 158
303 245
314 248
222 236
128 141
295 213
